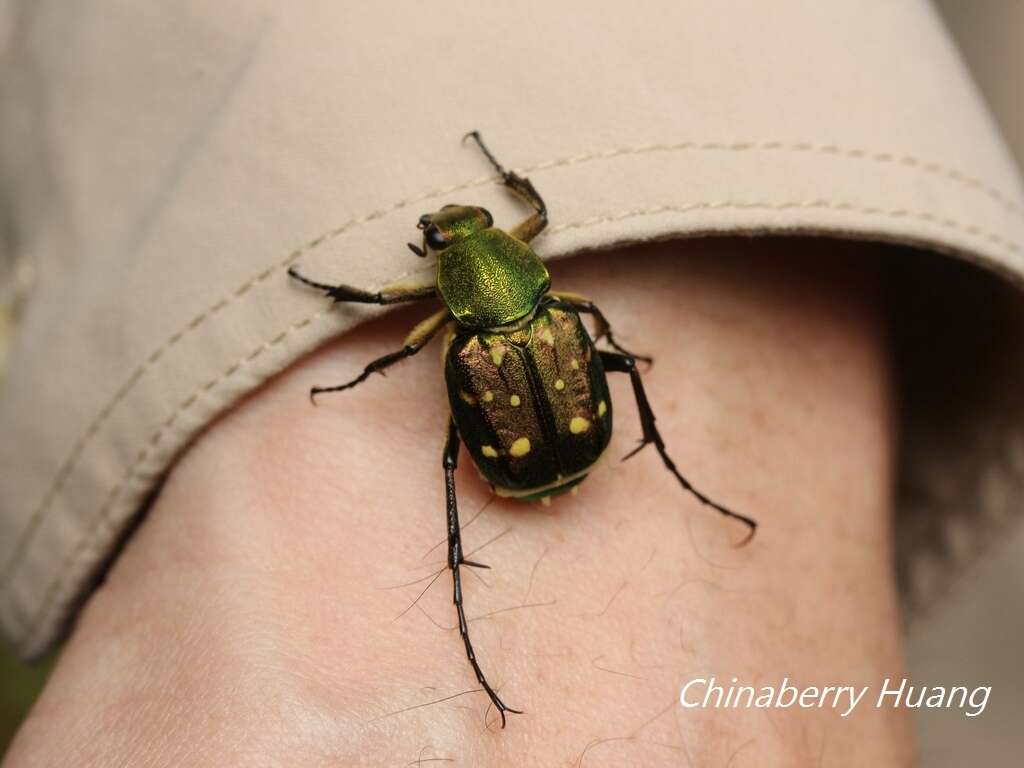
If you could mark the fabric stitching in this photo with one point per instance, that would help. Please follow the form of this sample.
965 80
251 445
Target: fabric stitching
895 213
855 153
78 449
97 527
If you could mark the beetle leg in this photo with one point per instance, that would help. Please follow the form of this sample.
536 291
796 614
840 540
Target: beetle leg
389 294
626 364
522 188
418 338
456 559
529 228
604 328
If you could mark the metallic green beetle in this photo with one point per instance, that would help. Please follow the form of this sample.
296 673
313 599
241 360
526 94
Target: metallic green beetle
526 385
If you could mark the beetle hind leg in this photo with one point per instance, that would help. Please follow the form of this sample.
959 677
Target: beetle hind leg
626 364
456 559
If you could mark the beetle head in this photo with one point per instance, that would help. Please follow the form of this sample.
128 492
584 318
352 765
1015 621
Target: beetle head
450 224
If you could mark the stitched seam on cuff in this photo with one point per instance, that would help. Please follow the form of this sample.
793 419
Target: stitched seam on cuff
39 618
910 161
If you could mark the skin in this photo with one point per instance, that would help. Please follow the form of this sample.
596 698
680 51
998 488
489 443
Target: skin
251 619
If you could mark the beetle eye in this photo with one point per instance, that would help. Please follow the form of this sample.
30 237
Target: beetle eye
423 222
434 238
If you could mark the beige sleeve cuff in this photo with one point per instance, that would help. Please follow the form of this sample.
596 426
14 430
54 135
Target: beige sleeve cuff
165 163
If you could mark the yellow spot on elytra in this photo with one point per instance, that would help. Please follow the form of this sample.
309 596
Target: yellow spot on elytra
514 401
559 385
602 408
545 335
467 397
488 396
497 354
545 500
520 447
575 364
488 451
578 425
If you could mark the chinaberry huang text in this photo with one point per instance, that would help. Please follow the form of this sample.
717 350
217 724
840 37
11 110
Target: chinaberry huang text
708 693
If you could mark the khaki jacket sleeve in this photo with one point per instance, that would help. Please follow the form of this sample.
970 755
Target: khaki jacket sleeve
165 163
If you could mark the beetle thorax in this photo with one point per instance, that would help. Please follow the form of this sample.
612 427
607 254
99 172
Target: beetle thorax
490 279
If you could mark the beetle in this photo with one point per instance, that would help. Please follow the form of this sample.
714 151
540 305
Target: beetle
527 387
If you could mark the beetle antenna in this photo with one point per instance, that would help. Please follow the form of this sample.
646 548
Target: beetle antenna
417 250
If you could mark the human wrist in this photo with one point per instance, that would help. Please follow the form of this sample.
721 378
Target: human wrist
258 589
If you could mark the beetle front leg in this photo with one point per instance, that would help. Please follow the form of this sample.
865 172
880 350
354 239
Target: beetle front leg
456 559
417 339
604 328
613 361
522 188
389 294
